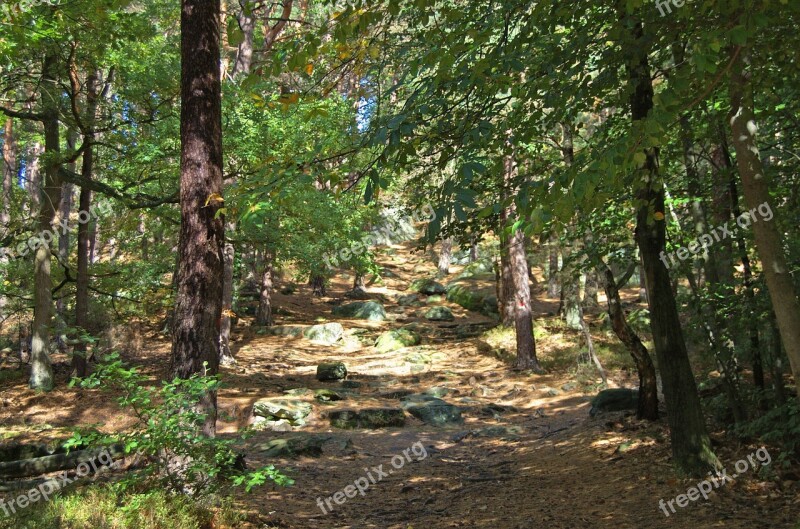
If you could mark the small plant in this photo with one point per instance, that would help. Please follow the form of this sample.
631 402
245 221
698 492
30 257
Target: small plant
168 433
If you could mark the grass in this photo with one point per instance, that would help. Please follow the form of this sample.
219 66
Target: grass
107 507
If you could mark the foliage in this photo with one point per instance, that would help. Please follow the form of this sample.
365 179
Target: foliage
168 433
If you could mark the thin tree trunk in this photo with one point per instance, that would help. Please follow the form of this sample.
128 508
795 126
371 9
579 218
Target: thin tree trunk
552 270
9 170
317 284
198 302
647 407
247 24
264 312
756 194
33 177
691 445
226 356
590 300
445 255
41 369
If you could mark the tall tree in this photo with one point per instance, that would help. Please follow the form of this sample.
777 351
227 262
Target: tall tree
198 301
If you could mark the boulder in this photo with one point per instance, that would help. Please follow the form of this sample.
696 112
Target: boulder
408 300
429 287
615 399
361 310
325 334
481 267
369 418
306 445
432 410
275 408
439 314
328 371
286 330
328 395
396 339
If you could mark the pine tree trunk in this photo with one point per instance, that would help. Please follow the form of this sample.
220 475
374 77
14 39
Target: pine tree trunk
552 270
756 193
317 284
9 170
226 356
691 445
247 24
198 301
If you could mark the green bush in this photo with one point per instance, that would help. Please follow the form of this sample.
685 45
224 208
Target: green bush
168 434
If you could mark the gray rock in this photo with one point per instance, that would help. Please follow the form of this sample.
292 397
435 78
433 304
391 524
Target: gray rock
325 334
276 408
327 371
429 287
396 339
328 395
285 330
369 418
281 425
615 399
408 300
435 412
307 445
361 310
439 314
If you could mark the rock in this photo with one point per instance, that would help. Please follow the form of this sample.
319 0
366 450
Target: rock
439 314
429 287
352 384
285 330
325 334
288 290
480 267
298 392
396 394
327 371
615 399
281 425
434 299
328 395
569 386
357 293
551 392
473 296
361 310
408 300
396 339
369 418
307 445
432 411
437 391
273 409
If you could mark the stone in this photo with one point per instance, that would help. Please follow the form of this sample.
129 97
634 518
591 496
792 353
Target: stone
473 296
429 287
328 395
327 371
281 425
439 314
480 267
396 339
437 391
325 334
432 411
372 418
286 330
434 299
408 300
614 399
307 445
361 310
275 408
569 386
352 384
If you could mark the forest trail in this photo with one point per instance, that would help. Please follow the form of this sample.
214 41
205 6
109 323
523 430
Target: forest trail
526 455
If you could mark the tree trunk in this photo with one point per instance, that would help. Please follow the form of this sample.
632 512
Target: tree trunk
473 251
505 299
756 194
33 177
590 301
647 407
445 255
226 356
244 53
198 301
41 369
691 445
264 312
317 284
552 269
9 170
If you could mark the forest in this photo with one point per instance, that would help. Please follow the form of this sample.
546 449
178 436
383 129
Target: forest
351 264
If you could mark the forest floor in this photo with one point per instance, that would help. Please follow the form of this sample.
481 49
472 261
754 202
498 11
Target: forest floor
527 454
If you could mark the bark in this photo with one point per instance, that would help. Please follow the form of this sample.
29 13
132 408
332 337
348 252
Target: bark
691 445
41 369
33 177
244 52
505 299
445 255
226 356
552 270
590 301
9 170
198 301
756 193
647 407
317 284
473 251
519 282
264 312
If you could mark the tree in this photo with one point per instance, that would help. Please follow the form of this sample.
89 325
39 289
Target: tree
198 301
